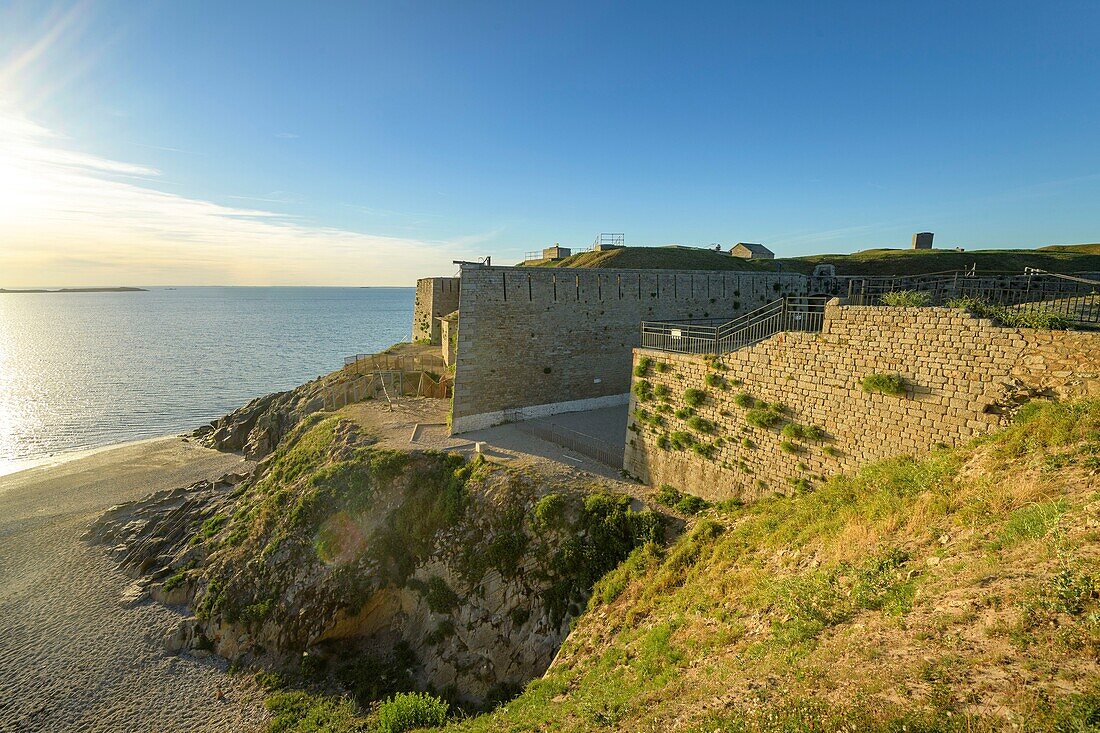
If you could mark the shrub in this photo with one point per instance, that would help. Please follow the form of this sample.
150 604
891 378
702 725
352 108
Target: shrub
762 418
549 510
744 400
681 502
643 390
748 443
681 440
1014 317
788 447
705 450
815 432
700 424
439 596
801 484
907 298
642 368
664 443
694 397
409 710
662 367
667 495
831 451
793 430
883 383
661 391
716 380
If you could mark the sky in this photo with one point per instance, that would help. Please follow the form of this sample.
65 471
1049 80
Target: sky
328 143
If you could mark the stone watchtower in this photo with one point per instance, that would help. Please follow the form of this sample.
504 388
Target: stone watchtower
922 240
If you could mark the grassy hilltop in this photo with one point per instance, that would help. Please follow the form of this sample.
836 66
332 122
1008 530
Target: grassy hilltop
1056 258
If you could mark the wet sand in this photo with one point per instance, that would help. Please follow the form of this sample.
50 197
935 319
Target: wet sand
74 654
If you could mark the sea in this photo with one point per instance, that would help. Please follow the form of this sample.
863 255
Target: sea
80 371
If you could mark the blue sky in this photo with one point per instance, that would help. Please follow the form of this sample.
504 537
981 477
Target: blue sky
367 143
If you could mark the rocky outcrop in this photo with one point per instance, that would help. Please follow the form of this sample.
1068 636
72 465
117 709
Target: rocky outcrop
256 429
419 569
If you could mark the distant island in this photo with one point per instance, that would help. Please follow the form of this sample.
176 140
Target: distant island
76 290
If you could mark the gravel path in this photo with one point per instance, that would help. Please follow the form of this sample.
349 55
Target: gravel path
74 655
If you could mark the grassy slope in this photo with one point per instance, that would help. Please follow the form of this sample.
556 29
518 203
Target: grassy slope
1067 258
957 592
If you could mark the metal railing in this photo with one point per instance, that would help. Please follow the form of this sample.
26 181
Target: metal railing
714 336
595 448
1075 299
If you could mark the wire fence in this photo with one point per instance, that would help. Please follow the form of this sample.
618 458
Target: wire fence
595 448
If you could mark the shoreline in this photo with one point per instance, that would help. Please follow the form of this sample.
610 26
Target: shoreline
80 648
19 465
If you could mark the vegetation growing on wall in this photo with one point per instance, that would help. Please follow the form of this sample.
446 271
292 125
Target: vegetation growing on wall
891 384
694 397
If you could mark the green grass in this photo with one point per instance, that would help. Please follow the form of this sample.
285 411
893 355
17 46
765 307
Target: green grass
906 299
1028 317
411 710
296 711
819 611
1059 258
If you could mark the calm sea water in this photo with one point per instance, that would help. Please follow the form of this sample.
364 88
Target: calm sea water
84 370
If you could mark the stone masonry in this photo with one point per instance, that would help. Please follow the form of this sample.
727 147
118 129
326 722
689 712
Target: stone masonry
435 298
535 341
960 374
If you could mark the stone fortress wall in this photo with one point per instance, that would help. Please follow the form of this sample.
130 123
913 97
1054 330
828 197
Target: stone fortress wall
435 298
959 372
536 341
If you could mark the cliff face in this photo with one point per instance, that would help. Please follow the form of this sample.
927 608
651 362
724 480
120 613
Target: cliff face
379 569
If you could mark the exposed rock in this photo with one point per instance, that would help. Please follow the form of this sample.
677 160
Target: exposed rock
340 553
256 429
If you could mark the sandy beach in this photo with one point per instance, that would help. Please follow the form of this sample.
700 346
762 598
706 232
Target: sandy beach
74 654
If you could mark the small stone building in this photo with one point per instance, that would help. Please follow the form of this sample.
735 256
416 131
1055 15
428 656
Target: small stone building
555 253
922 240
749 251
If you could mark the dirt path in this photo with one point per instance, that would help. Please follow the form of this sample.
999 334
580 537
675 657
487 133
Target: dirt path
74 656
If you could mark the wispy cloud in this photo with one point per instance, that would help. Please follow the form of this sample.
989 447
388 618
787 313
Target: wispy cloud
69 218
286 135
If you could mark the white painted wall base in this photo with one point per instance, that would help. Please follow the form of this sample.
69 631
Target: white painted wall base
489 419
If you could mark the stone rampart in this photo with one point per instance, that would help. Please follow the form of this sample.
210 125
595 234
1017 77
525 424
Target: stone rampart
959 373
535 341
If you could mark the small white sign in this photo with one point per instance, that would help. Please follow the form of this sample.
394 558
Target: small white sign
676 333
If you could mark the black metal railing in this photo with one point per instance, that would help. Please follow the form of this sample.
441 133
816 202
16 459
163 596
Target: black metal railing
715 336
1073 299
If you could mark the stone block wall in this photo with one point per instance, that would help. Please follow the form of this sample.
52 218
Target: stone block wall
535 341
960 372
435 298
